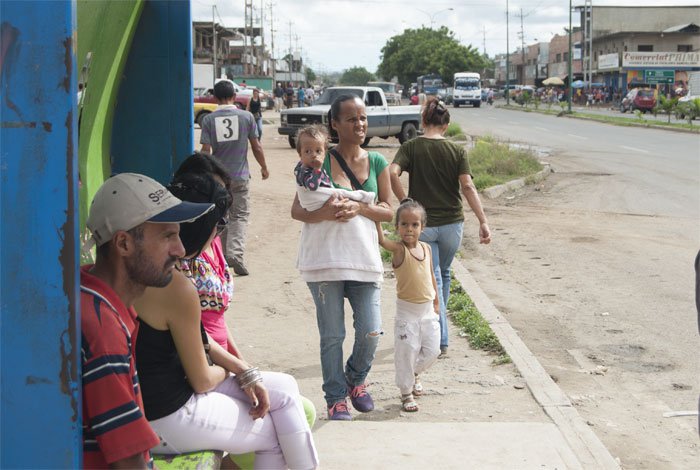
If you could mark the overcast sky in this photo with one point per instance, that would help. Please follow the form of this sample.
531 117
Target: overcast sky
334 35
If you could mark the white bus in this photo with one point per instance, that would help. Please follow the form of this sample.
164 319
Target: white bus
466 89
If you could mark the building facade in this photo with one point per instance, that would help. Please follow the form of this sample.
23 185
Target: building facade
641 46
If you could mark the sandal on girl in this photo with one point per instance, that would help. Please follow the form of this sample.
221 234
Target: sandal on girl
408 403
417 387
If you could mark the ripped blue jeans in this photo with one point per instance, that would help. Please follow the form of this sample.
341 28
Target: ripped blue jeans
364 298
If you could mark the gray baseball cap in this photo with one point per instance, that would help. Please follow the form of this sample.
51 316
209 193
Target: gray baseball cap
127 200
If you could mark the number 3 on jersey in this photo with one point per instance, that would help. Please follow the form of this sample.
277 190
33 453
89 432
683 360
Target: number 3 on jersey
226 128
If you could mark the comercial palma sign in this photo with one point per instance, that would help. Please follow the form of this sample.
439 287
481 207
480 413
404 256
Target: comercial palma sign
661 59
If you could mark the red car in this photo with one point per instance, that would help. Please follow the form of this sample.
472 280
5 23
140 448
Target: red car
206 95
642 99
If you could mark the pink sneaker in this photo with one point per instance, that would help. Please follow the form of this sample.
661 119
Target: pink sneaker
360 398
339 412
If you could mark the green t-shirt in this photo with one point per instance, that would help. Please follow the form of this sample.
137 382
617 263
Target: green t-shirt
377 163
434 167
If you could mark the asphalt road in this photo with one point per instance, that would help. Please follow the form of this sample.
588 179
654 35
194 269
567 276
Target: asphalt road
659 169
594 270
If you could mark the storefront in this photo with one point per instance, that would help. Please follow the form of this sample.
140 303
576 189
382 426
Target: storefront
669 69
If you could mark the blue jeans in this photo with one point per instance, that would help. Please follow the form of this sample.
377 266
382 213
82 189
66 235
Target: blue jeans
258 124
444 240
329 298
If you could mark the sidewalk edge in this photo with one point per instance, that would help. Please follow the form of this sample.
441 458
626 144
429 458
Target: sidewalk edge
583 441
495 191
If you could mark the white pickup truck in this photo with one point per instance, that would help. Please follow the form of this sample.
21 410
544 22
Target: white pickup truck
383 121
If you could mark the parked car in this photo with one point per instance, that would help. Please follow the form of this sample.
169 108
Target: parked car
243 95
383 121
201 110
642 99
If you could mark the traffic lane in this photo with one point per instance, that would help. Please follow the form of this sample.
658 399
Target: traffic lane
659 168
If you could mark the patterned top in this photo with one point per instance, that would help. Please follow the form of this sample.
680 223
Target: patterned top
114 426
311 179
214 285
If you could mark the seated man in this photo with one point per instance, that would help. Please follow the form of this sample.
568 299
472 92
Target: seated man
135 224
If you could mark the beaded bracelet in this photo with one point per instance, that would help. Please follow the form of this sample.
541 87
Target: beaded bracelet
249 377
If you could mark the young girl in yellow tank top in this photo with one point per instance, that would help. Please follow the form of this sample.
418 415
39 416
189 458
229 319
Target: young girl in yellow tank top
416 327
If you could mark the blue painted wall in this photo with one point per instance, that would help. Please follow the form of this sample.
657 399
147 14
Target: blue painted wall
40 411
153 123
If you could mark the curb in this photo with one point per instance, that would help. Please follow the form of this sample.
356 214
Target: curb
495 191
583 442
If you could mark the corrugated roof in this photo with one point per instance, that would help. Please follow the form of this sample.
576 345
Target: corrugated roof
681 27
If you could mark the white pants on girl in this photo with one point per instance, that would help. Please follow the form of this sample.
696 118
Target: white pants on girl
416 341
219 420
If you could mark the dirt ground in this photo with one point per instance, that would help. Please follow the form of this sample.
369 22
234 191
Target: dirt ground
274 323
554 270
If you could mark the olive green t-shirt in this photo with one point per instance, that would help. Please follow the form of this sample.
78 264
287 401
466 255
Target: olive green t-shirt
434 167
377 163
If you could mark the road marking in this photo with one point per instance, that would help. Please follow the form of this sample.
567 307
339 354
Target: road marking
633 149
577 136
513 122
493 119
542 129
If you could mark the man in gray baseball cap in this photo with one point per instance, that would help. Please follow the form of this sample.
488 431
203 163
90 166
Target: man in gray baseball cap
135 223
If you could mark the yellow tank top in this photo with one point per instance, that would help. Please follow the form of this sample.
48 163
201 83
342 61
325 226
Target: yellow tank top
414 282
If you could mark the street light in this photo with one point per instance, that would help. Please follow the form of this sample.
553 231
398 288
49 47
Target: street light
432 16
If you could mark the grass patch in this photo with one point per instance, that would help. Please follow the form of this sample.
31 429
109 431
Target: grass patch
455 132
466 316
632 121
496 162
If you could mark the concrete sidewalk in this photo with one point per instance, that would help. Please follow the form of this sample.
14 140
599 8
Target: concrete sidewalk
473 414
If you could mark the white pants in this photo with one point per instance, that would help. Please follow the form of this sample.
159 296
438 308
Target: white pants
416 341
219 420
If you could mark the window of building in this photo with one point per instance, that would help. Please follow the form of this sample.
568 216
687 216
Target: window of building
645 48
558 58
566 56
685 48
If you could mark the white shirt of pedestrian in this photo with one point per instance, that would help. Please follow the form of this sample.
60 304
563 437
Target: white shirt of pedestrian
226 128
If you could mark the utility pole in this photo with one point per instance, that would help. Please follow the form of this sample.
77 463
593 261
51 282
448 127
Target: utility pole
248 33
507 56
272 45
571 89
214 48
484 31
290 51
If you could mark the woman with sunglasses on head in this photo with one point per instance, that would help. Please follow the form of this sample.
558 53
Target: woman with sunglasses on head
197 394
439 175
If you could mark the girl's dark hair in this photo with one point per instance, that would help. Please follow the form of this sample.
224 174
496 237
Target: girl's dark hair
204 163
193 183
435 113
409 204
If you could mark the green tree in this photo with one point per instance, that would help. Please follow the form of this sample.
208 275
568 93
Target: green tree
310 75
356 76
421 51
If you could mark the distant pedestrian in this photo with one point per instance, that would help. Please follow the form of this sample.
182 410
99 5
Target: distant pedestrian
289 95
279 97
417 325
255 108
300 96
226 134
